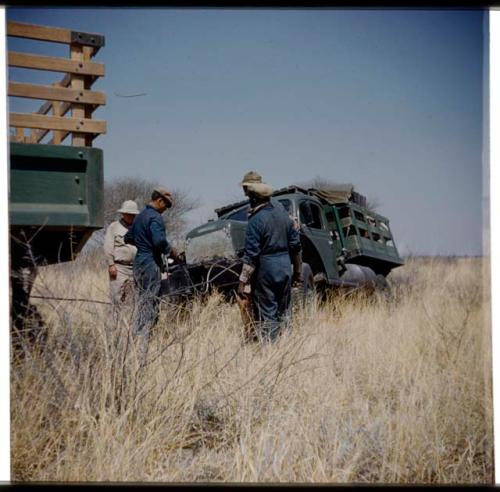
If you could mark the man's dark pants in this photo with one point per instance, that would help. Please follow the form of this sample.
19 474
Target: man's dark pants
147 277
272 292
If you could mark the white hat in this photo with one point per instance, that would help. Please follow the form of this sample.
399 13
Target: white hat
129 207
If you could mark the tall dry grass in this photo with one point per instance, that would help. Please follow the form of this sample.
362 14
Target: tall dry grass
361 389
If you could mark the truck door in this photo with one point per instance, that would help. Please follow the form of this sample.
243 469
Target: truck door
315 229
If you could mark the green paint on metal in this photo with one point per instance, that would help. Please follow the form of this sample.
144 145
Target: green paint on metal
56 197
56 185
339 226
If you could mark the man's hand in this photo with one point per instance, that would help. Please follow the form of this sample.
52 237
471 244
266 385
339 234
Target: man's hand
113 272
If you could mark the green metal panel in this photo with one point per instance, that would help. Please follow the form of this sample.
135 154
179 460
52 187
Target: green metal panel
56 195
320 238
56 185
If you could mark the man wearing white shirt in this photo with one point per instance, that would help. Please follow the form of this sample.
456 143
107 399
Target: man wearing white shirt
119 255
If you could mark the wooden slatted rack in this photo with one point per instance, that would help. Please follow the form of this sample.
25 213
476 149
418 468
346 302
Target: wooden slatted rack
69 103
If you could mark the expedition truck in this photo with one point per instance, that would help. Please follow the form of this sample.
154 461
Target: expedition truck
55 175
344 244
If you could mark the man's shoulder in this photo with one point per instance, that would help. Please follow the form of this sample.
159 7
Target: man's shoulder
113 225
150 212
147 213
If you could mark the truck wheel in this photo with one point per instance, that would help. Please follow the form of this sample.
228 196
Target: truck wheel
382 285
306 292
308 279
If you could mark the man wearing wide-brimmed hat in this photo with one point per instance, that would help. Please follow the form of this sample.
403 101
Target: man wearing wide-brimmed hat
272 244
119 255
149 236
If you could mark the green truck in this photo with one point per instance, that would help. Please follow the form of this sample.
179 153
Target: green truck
344 244
55 175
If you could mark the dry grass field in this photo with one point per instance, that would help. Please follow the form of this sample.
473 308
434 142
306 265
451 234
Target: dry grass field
359 390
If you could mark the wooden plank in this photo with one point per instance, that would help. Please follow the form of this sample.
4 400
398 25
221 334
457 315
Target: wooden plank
20 134
77 82
55 64
45 108
56 111
82 125
34 31
87 55
63 137
65 107
51 93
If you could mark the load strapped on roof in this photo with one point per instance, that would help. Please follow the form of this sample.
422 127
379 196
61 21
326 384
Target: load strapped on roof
339 193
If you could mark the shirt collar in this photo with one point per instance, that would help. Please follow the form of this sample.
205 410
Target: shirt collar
260 206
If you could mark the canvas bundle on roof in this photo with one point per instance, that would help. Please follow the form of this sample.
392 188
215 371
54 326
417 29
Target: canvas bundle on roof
340 193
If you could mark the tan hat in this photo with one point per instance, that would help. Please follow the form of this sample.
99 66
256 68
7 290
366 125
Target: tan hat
166 195
251 177
260 189
129 207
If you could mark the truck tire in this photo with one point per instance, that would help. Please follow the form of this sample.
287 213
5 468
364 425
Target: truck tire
308 280
382 285
304 293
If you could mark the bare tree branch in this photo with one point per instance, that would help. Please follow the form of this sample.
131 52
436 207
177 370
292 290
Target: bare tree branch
139 190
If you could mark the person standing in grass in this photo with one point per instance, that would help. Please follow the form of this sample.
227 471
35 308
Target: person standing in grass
119 255
148 234
272 244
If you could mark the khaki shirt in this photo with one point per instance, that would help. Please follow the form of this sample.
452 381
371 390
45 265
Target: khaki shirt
115 248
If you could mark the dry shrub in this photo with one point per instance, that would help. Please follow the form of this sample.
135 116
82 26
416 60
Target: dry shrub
360 389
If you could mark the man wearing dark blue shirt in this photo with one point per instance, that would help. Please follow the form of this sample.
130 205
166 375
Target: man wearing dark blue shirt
272 243
148 234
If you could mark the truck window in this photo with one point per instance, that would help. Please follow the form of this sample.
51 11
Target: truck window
359 216
310 215
287 204
344 212
330 216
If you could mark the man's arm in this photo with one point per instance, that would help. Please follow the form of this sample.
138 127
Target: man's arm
159 236
251 254
295 249
109 245
109 251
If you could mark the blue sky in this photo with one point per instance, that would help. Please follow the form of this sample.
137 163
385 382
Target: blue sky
390 100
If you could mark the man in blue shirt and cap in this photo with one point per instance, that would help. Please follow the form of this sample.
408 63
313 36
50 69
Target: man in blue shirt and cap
148 234
272 245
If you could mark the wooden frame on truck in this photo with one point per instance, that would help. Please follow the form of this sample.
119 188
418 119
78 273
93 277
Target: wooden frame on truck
70 102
